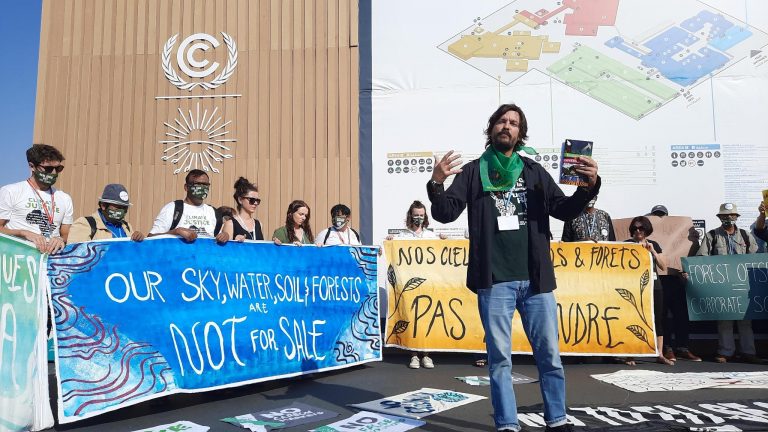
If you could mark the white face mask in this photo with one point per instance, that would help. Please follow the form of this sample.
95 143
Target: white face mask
339 221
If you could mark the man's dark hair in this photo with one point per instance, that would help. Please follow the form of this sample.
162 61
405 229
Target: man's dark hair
498 114
195 173
340 209
40 153
643 222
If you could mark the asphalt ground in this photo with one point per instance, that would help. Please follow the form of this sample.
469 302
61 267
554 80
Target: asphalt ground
335 390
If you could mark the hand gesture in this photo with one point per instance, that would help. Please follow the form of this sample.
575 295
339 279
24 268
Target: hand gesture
138 236
587 167
240 238
446 167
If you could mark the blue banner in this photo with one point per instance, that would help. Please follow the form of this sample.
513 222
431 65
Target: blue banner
135 321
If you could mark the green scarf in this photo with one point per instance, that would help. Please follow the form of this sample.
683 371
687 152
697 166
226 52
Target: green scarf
499 172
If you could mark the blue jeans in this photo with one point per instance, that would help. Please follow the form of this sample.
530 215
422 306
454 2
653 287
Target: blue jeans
539 316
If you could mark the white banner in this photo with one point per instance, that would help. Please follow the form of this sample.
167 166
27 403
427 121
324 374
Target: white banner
371 422
640 381
420 403
671 93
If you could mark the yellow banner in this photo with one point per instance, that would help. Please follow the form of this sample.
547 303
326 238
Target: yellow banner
604 296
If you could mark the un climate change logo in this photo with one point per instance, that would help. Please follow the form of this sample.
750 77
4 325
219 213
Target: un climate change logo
185 58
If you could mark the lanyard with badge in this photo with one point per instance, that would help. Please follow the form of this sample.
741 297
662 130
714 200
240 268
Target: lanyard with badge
508 221
48 213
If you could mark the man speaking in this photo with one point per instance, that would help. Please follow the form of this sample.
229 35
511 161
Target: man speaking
509 200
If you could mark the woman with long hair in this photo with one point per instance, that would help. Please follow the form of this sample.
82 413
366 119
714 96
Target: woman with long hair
416 223
296 230
245 226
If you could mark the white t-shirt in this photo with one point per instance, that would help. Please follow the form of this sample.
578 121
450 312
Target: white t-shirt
23 209
424 234
201 219
335 238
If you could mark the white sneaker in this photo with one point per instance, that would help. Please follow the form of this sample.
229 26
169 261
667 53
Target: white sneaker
414 364
427 362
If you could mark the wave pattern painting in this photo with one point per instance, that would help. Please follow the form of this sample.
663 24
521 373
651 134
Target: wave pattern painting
100 367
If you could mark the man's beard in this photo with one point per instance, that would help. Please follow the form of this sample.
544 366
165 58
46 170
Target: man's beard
503 147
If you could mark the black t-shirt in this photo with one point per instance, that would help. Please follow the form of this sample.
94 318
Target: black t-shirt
238 229
509 250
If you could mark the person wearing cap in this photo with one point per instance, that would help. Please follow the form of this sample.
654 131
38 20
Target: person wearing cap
659 210
109 219
673 290
592 224
728 239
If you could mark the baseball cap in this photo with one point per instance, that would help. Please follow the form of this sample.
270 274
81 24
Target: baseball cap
115 194
659 210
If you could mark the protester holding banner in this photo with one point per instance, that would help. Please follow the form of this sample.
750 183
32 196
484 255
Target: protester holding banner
191 217
417 224
244 225
673 290
296 230
33 209
592 224
109 219
728 239
640 228
510 200
761 231
416 227
340 232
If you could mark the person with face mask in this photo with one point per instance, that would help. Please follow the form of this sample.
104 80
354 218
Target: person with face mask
416 227
191 217
728 239
33 209
592 224
108 221
340 232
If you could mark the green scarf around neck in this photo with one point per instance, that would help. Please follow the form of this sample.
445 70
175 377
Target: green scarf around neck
499 172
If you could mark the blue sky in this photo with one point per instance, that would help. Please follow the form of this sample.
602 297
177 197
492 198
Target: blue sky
20 31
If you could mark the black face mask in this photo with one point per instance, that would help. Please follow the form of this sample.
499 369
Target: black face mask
45 178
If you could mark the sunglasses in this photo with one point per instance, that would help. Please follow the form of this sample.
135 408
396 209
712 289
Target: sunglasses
50 169
253 201
636 228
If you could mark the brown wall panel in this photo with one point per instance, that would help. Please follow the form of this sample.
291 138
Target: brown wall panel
295 121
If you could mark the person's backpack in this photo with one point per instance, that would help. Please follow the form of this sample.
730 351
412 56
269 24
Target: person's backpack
221 213
328 234
92 222
714 236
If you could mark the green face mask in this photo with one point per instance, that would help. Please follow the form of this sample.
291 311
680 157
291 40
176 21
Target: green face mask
199 191
45 178
116 215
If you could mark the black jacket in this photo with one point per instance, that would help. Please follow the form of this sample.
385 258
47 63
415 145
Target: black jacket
544 199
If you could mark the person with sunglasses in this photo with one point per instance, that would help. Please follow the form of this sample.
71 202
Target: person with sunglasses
244 225
640 228
191 217
33 209
109 219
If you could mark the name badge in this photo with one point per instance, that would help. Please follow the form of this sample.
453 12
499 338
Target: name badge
508 223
